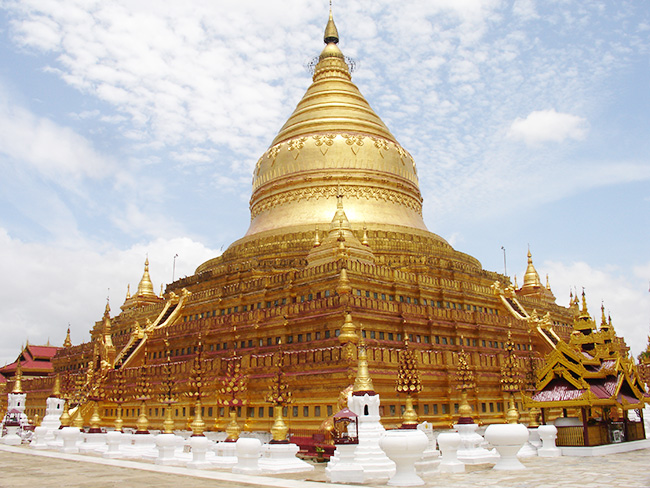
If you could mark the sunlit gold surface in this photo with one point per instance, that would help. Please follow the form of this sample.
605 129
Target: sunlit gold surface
334 142
18 379
363 381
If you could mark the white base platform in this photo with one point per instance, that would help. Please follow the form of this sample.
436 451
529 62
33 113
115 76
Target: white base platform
281 458
606 449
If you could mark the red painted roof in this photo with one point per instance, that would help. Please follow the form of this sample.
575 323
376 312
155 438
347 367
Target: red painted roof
33 359
42 352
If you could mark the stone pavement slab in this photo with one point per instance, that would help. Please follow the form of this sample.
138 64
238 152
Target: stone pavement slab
21 467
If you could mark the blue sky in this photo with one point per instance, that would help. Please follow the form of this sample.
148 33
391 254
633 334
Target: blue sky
132 127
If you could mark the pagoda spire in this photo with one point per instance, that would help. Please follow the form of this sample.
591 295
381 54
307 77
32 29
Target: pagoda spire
145 287
603 318
331 33
531 278
464 381
408 382
363 381
67 342
18 382
584 313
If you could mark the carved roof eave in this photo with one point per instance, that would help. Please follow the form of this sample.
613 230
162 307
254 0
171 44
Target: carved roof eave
587 399
559 358
633 382
561 372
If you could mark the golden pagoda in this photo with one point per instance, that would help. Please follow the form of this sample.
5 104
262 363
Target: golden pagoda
336 239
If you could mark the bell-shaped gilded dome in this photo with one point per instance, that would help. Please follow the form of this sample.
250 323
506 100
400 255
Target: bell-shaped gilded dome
334 144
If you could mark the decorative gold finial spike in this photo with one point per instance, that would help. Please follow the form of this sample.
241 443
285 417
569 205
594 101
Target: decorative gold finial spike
18 385
67 342
408 382
363 381
145 287
331 34
531 278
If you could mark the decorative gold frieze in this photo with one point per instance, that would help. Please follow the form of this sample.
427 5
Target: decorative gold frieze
350 191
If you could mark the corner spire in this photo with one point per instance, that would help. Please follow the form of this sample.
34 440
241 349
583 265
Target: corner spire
145 287
583 311
67 342
531 278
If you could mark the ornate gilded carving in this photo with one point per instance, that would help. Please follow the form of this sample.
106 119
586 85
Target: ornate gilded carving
348 191
323 142
327 139
296 145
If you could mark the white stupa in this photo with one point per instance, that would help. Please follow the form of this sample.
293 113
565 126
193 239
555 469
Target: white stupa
364 402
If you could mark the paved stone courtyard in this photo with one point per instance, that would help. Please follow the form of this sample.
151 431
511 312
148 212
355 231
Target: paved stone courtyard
21 467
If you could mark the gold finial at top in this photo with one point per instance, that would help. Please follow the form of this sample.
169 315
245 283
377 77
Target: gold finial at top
363 381
145 287
583 311
67 342
531 278
331 34
18 384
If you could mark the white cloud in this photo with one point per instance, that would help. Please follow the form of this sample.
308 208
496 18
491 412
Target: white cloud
624 293
525 9
548 126
52 284
56 152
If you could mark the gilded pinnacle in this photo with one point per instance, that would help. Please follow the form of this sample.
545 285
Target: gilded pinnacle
363 381
18 384
67 342
145 287
331 33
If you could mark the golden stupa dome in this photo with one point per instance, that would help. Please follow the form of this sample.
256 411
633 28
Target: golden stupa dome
334 145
